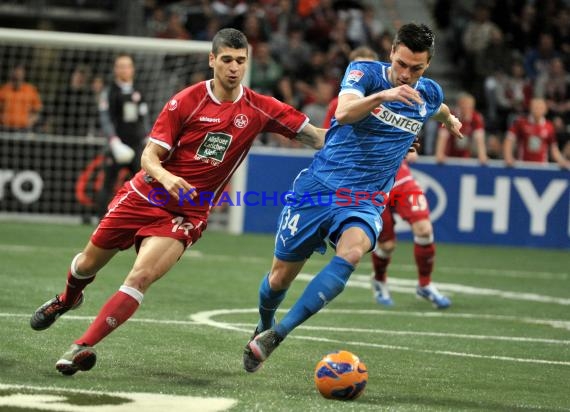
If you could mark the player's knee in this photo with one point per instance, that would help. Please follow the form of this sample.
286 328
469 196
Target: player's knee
352 255
280 277
84 264
141 278
278 281
423 229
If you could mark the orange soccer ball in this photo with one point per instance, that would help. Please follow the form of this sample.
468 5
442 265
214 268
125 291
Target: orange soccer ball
341 375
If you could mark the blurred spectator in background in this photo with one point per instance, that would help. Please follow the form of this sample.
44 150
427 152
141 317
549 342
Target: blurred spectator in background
562 131
157 23
229 11
74 111
476 41
124 120
383 46
20 102
554 87
524 31
561 32
534 137
473 130
317 109
372 25
174 28
537 60
256 30
265 70
508 96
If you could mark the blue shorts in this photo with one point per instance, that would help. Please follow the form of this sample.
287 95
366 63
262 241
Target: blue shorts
315 214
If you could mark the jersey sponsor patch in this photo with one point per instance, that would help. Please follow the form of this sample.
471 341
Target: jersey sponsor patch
354 76
214 147
172 104
387 116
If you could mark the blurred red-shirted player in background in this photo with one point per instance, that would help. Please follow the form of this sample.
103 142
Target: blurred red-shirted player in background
472 128
199 139
534 136
406 199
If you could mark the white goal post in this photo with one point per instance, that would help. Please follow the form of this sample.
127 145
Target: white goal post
49 170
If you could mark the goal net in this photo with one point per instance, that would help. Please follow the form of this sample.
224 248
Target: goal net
54 166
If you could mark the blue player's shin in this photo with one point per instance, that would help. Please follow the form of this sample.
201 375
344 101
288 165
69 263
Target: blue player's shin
324 287
269 301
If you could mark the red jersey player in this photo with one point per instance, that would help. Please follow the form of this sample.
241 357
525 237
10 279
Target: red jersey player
407 200
410 203
473 130
199 139
534 136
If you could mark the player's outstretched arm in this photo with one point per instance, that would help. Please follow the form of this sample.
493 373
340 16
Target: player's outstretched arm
352 108
450 122
150 162
312 136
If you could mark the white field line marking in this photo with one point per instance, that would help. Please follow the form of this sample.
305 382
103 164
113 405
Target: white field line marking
206 318
197 254
519 274
555 323
408 286
413 333
561 324
90 318
503 273
240 326
137 402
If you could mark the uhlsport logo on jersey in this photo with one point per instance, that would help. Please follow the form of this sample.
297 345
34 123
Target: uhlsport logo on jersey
387 116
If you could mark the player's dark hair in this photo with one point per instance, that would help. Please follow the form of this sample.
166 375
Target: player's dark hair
416 37
228 38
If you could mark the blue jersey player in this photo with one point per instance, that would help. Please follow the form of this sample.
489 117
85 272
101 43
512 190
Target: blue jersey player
340 197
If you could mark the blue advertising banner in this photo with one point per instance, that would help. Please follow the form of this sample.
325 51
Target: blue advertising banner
522 206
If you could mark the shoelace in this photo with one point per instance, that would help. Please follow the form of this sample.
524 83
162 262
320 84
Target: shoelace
54 307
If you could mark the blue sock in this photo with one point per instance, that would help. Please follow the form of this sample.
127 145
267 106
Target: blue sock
324 287
269 301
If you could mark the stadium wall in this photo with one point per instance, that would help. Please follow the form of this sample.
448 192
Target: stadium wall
524 206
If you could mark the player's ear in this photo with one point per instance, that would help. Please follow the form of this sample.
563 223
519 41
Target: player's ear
211 60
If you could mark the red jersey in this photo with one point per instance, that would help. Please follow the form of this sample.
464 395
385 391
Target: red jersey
533 139
330 113
208 140
462 147
403 175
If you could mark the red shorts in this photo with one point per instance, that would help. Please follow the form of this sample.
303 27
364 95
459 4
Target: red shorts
131 218
408 201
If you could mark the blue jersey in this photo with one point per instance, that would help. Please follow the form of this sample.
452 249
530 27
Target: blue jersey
365 155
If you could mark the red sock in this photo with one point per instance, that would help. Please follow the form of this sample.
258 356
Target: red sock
120 307
380 265
73 288
424 255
